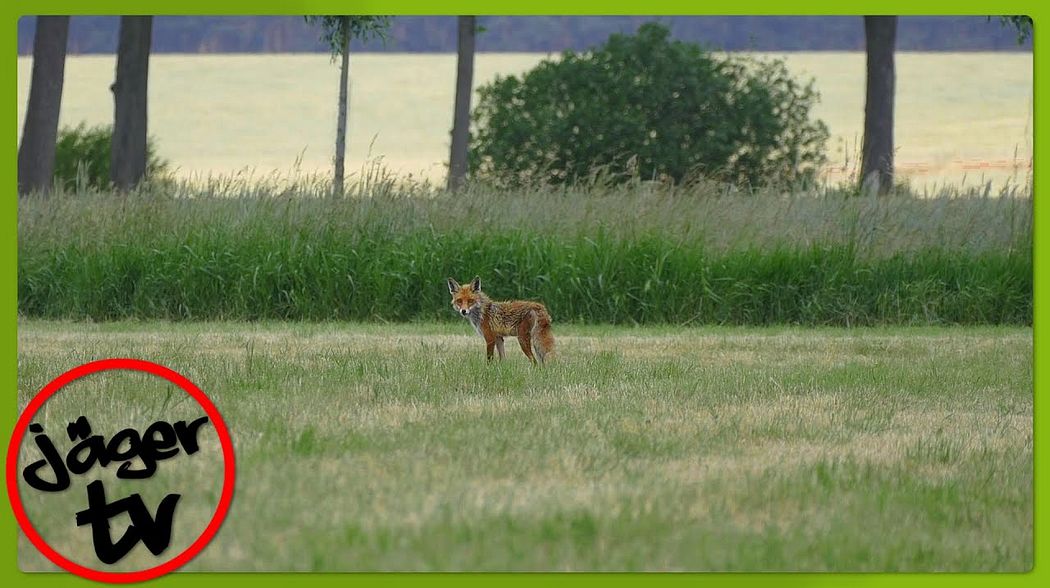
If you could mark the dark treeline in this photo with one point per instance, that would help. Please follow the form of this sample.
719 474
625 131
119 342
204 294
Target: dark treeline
252 34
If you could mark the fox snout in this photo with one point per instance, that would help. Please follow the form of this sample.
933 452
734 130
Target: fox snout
463 311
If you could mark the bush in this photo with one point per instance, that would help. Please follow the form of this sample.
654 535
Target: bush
82 157
648 107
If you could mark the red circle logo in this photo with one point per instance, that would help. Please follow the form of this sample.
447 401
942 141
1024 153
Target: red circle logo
133 365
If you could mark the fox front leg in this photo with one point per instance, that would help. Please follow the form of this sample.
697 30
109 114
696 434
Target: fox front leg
490 344
499 348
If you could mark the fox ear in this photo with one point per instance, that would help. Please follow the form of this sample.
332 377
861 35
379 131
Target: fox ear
453 285
475 284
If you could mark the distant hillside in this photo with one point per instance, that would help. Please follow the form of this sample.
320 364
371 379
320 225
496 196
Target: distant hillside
276 34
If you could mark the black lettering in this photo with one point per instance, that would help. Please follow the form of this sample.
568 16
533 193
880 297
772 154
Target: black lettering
163 447
113 447
149 467
51 458
124 472
95 446
154 532
78 429
188 434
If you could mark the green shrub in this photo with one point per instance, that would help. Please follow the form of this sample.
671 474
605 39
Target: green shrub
82 156
649 107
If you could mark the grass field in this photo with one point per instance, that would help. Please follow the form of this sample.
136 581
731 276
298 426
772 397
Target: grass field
395 447
960 118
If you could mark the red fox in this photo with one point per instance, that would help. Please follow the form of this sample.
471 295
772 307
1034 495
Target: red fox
528 321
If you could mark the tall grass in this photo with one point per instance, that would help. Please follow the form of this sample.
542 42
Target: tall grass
639 253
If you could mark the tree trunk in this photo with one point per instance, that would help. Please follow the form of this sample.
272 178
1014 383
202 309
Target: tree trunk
457 161
344 98
876 169
36 154
128 157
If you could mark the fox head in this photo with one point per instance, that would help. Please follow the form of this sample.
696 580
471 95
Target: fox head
465 298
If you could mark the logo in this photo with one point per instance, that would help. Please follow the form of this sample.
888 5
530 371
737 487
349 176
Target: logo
137 455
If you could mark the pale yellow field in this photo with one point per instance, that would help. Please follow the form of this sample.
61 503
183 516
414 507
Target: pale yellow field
961 118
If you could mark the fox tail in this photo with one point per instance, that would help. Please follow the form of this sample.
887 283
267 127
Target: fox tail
542 339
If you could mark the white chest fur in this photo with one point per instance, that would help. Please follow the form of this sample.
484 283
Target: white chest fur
474 316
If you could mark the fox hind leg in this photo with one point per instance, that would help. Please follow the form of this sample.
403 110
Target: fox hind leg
525 336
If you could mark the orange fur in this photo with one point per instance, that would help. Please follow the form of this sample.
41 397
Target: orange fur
528 321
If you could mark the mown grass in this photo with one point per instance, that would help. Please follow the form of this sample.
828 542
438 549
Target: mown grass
638 253
396 447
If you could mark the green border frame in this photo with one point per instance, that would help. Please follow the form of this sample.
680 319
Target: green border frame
8 288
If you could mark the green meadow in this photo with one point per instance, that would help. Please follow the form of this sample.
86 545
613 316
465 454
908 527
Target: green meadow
396 447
